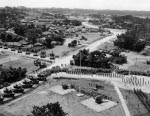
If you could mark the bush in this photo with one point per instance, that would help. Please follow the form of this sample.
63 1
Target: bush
72 86
98 100
65 87
73 43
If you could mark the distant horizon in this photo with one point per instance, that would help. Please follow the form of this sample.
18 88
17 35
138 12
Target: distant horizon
76 8
121 5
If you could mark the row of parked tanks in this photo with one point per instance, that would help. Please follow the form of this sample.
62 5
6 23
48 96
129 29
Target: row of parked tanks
42 54
18 89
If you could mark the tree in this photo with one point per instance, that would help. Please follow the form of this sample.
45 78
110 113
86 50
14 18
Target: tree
48 42
130 41
31 35
76 23
51 109
94 59
13 74
73 43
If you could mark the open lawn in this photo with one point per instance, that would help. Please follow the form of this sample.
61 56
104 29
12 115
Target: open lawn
70 102
22 62
132 102
8 59
61 50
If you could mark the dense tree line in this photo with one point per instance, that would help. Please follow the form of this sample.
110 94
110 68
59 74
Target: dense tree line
129 21
10 16
130 41
25 29
12 74
130 18
59 38
29 31
51 109
72 22
8 37
95 59
98 59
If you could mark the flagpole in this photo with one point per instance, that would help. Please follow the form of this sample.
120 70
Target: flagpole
80 69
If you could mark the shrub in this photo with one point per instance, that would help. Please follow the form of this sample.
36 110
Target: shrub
65 87
98 100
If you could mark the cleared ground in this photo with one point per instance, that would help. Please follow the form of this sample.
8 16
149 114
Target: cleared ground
70 102
135 61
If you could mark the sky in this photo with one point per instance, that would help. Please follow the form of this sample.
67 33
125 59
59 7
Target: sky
140 5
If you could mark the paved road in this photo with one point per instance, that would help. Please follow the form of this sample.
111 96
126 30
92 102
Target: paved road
122 100
91 47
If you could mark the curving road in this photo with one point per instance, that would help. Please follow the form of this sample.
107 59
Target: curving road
91 47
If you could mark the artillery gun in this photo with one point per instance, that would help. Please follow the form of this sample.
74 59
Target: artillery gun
8 93
148 62
35 54
13 49
40 64
43 54
18 90
26 82
26 86
5 47
17 86
19 51
27 53
52 56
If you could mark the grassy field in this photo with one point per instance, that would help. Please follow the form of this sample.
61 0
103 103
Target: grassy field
132 103
8 59
64 49
22 62
61 50
70 102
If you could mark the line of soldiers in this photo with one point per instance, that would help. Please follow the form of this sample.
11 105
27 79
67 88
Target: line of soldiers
133 80
110 75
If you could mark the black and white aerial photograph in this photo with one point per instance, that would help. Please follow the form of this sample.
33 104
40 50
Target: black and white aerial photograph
74 58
